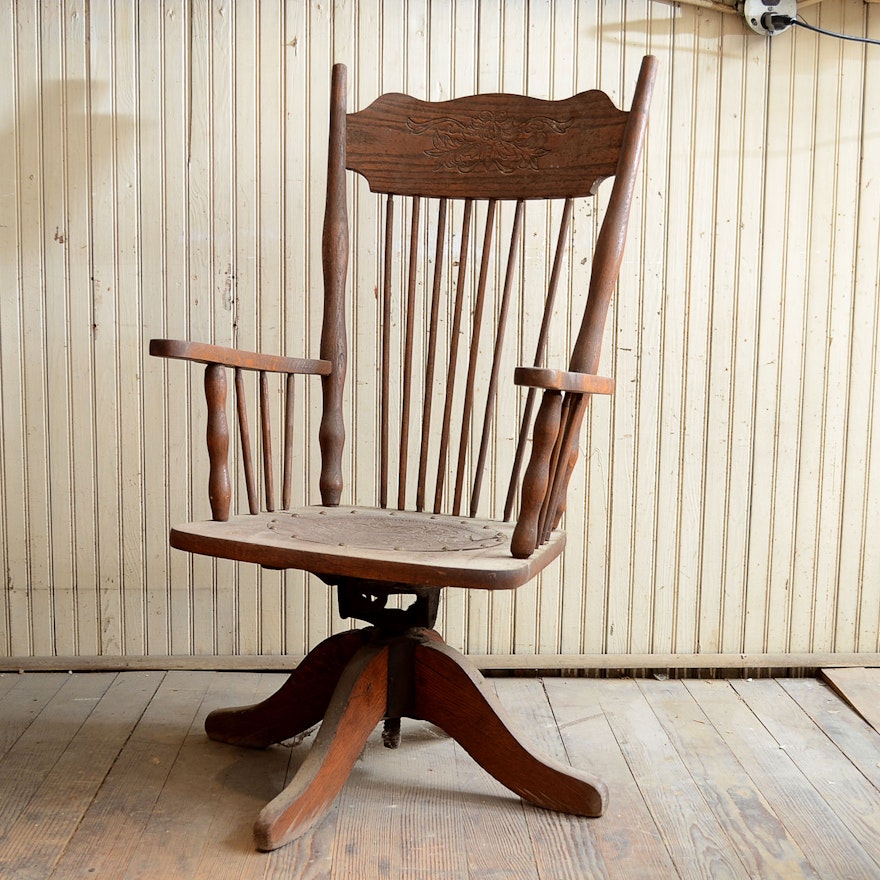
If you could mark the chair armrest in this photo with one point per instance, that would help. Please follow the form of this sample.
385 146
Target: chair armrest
562 380
202 353
216 359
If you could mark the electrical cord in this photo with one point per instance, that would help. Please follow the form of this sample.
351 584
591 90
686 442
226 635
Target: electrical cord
784 21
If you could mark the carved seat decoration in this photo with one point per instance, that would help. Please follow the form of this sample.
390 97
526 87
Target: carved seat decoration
447 168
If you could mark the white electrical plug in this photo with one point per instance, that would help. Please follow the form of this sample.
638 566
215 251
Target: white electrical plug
763 16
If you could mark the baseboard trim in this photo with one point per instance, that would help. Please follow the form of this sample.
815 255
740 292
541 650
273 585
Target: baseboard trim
488 662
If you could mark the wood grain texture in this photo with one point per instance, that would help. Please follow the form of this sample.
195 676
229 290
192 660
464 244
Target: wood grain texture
860 687
439 677
669 790
759 834
842 785
106 838
166 178
632 843
271 540
173 803
297 706
859 742
564 847
563 380
54 788
358 706
203 353
180 831
452 147
334 256
23 700
219 487
788 787
537 479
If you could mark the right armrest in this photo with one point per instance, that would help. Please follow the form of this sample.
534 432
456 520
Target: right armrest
203 353
562 380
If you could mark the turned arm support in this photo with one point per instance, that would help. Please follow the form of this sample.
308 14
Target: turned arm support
556 425
216 359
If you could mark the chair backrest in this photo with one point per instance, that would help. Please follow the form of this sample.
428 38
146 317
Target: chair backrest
447 167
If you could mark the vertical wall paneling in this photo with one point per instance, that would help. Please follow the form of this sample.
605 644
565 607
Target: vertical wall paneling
644 288
13 418
36 379
655 257
833 336
52 120
739 295
787 206
257 266
680 110
129 321
153 221
297 186
588 562
163 175
858 610
105 125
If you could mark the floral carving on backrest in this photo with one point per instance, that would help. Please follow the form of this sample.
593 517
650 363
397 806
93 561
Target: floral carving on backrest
488 141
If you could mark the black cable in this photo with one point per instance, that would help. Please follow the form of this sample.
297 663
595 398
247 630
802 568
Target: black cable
786 20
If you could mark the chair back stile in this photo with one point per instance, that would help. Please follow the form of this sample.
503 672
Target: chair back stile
459 160
545 486
334 256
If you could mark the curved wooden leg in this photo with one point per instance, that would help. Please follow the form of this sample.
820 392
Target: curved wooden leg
452 694
358 705
299 704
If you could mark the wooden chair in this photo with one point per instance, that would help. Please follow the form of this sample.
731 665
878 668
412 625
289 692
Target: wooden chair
451 160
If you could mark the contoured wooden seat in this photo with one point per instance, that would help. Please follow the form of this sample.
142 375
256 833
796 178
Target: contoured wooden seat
448 169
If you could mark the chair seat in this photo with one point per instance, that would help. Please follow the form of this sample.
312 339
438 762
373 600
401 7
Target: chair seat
402 547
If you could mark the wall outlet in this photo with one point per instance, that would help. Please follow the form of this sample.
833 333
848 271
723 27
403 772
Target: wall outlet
759 15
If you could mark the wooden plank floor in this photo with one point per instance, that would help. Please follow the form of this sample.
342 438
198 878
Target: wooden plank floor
106 775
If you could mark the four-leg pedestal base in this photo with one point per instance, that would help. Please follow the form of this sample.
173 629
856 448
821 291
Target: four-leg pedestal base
355 679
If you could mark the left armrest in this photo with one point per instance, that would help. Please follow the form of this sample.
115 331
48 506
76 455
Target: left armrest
216 359
563 380
203 353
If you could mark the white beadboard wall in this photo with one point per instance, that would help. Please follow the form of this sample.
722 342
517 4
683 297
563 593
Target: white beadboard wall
162 174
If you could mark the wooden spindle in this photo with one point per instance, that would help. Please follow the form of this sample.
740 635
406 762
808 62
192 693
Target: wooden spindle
408 352
430 365
453 352
266 432
219 492
385 355
525 534
287 482
565 463
244 432
474 354
540 353
496 356
545 523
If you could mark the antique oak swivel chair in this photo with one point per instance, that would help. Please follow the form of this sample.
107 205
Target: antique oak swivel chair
455 160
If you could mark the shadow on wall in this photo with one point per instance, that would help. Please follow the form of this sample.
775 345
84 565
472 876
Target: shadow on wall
60 200
59 284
